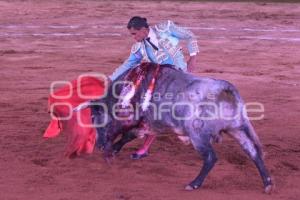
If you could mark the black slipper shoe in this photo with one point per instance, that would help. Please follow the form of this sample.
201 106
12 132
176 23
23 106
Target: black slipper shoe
136 156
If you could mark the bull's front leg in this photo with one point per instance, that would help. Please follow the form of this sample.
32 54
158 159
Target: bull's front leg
108 146
108 151
126 137
209 158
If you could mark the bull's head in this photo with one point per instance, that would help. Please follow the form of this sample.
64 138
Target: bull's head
100 119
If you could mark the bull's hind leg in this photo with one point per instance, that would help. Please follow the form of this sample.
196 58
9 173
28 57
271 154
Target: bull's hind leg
249 142
203 146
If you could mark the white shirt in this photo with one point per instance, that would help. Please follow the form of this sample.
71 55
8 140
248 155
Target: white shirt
153 37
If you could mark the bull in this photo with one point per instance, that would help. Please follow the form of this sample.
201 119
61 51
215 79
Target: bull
197 109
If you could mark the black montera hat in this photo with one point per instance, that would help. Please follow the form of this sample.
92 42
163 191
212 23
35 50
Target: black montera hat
137 22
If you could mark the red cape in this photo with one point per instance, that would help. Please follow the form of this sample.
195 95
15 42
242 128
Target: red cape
81 139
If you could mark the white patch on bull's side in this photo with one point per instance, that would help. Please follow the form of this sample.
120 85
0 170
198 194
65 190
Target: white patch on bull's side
185 139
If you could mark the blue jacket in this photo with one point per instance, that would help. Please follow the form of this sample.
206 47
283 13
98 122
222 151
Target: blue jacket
166 37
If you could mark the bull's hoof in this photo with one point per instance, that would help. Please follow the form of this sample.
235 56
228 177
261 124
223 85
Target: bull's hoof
115 152
269 189
190 187
116 149
109 160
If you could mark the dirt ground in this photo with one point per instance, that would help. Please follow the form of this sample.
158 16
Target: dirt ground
255 46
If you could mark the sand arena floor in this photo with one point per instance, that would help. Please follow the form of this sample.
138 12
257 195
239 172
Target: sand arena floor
255 46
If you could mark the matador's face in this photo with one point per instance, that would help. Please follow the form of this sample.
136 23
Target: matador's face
139 35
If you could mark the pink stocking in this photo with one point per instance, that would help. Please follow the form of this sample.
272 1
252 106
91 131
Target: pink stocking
146 146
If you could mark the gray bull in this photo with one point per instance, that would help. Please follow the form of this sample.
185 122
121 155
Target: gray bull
196 109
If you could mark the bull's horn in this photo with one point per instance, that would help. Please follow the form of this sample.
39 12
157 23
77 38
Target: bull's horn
82 106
